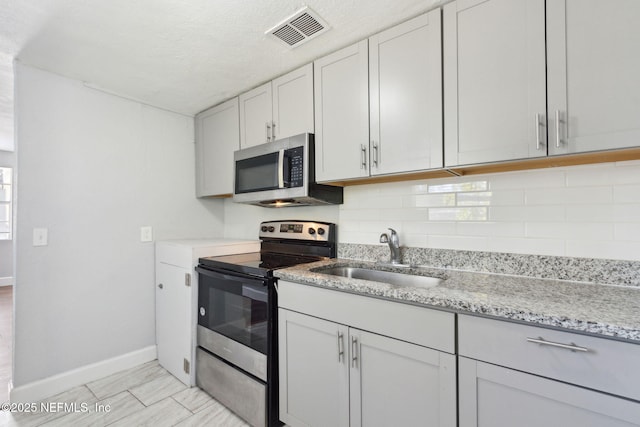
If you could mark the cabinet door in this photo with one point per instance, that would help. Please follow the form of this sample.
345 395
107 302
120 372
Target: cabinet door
593 74
293 103
255 116
397 383
217 137
173 320
494 80
494 396
313 371
405 70
342 113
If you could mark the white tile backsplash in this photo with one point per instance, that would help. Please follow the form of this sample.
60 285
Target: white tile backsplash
581 211
578 211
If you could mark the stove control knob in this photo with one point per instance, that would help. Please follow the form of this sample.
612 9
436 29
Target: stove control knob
312 231
272 229
263 228
320 231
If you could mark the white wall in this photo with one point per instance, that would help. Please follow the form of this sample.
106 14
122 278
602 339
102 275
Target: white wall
580 211
93 168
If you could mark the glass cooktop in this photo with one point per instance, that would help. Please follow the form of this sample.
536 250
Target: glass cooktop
260 263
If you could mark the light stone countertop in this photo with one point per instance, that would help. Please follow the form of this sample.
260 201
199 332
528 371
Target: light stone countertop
604 310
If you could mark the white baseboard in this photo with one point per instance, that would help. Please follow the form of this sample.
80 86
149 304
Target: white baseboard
41 389
6 281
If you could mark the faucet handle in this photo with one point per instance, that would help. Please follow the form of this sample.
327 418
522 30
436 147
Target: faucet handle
393 231
384 238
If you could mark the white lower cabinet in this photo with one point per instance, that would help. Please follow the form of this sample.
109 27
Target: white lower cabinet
519 375
495 396
332 374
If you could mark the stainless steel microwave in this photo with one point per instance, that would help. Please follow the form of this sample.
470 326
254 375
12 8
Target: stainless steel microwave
281 173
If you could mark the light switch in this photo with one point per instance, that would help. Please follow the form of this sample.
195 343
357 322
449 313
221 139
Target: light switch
40 237
146 234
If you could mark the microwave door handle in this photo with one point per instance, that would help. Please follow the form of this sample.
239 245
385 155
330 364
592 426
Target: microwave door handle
281 168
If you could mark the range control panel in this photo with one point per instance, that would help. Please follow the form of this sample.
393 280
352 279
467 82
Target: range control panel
299 230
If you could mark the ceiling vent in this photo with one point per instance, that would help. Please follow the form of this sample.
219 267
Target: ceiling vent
299 28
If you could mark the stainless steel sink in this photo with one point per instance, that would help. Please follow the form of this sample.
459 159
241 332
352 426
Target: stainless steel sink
390 277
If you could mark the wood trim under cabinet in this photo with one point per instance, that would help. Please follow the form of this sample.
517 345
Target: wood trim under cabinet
507 166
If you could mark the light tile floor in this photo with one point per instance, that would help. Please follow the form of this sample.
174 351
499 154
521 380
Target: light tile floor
146 395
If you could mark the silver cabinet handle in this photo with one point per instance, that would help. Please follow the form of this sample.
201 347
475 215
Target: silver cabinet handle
340 347
363 152
558 121
273 130
375 153
571 346
354 351
161 286
268 131
538 143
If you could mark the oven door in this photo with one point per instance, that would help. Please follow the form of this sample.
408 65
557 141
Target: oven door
233 318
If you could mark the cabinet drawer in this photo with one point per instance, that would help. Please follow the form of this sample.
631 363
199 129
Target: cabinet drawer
429 328
602 364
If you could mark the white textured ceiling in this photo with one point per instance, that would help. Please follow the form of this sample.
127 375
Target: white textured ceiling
182 55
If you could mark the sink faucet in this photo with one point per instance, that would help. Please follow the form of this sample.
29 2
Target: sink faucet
394 245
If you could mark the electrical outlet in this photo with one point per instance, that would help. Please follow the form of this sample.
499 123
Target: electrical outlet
146 234
40 237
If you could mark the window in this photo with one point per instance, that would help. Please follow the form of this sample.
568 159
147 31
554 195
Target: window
5 203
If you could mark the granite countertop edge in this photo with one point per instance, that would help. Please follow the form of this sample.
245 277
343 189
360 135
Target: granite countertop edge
603 310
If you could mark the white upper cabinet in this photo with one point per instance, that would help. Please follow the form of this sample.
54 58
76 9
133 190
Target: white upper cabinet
594 64
293 103
217 137
278 109
255 116
405 71
494 80
342 113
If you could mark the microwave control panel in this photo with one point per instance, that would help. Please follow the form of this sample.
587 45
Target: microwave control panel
296 168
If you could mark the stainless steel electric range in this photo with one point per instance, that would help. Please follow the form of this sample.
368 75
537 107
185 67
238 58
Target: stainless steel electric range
237 355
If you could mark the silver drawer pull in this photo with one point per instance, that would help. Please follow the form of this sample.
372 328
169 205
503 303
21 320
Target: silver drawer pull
571 346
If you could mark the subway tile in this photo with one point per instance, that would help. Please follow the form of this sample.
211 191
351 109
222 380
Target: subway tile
463 184
588 175
458 214
570 230
526 213
626 212
479 198
540 178
507 198
626 193
431 200
414 240
590 213
505 229
566 196
627 231
620 250
462 243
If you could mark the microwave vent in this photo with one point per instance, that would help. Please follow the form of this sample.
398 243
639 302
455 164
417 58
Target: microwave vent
299 28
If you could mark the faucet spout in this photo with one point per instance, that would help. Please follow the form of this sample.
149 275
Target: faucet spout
394 245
